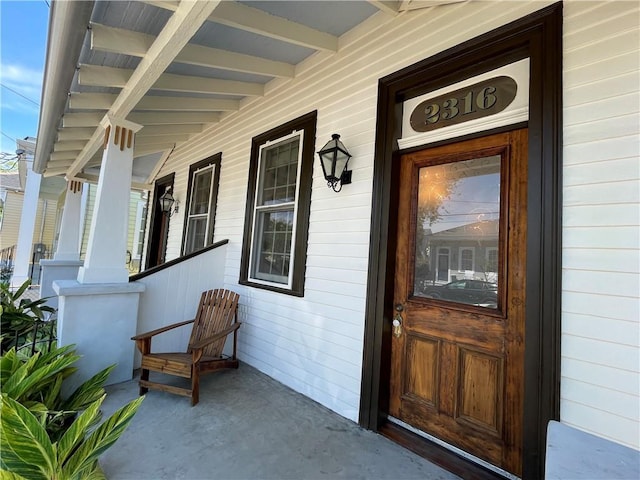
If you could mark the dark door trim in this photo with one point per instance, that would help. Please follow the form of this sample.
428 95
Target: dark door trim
157 230
539 37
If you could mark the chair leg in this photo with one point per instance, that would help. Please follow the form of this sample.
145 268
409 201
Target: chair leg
144 375
195 385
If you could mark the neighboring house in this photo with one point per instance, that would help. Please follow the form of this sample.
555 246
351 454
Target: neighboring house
12 197
525 114
136 226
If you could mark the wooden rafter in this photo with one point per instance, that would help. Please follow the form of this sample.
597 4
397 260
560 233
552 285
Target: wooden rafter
254 20
126 42
104 101
98 76
182 25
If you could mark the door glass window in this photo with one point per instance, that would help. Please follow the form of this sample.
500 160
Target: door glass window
457 231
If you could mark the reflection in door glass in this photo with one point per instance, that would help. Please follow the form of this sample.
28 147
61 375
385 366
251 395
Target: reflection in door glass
457 226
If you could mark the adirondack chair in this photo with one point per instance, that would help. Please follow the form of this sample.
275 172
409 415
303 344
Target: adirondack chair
216 318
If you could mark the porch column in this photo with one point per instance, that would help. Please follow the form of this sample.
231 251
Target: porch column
105 261
98 312
69 238
66 260
27 227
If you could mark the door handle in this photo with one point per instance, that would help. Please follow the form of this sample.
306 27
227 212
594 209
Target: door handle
397 325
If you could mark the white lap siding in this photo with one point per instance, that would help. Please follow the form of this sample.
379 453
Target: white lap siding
600 384
314 344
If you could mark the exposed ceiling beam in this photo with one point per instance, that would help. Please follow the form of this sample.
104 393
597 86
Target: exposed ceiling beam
161 130
75 134
391 7
66 157
144 141
68 145
89 119
87 177
177 32
52 172
173 118
126 42
97 76
104 101
417 4
147 149
254 20
92 119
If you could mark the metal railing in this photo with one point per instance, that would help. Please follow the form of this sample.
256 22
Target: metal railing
7 255
38 336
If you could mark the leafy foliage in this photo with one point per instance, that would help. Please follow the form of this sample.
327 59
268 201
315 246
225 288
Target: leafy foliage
19 316
46 436
28 452
36 382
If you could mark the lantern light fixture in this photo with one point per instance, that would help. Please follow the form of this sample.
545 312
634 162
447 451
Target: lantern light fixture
166 201
334 158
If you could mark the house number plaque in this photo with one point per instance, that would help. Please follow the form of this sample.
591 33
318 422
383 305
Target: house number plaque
475 101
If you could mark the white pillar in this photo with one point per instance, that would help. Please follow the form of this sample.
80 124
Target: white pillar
105 261
98 312
69 238
27 226
66 261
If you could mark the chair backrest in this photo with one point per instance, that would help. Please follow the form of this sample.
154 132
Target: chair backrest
216 312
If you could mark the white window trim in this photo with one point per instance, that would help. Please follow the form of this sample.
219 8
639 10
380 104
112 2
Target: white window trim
137 228
199 215
473 259
281 206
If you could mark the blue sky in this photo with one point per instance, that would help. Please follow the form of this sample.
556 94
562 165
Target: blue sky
23 37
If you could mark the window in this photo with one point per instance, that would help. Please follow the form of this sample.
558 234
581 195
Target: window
200 212
466 259
277 214
139 229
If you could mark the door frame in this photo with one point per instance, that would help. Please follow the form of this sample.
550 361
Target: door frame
537 36
154 241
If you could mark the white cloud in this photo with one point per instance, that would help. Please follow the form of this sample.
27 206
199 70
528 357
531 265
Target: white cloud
24 80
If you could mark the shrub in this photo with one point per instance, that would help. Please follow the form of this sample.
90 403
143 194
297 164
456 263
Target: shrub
42 434
20 316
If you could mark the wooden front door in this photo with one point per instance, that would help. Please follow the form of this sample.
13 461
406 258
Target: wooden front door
457 359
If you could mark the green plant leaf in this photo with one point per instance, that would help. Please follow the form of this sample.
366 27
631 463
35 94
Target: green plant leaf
76 433
9 363
89 391
26 448
12 384
5 475
52 397
21 290
55 352
36 379
101 439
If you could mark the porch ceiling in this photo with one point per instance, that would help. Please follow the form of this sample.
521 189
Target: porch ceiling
175 69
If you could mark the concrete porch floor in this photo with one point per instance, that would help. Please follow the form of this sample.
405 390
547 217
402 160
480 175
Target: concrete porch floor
249 426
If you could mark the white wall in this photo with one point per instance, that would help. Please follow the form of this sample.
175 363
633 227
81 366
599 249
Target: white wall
172 295
314 344
600 384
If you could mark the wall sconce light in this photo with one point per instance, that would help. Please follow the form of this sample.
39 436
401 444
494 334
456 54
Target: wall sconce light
334 158
166 201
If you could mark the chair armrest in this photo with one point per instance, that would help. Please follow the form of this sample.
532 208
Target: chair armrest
152 333
223 333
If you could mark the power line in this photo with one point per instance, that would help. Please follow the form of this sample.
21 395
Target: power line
20 95
10 138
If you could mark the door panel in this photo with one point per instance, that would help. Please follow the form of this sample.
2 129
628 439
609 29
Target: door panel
457 355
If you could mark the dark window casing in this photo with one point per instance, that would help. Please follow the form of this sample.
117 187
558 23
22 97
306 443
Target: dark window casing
307 123
216 161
